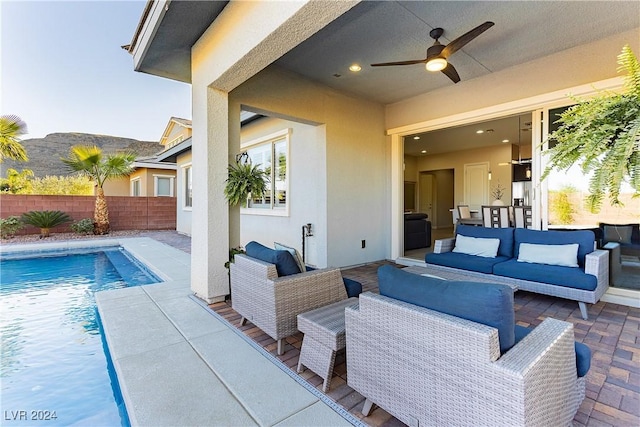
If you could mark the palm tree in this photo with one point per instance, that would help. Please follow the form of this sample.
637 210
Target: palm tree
90 161
11 128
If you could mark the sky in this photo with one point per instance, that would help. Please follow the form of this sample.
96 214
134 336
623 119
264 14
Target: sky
62 70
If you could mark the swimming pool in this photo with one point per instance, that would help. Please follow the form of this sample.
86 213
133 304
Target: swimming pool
54 368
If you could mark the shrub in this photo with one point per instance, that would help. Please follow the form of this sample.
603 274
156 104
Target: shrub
45 220
560 205
10 226
63 185
84 226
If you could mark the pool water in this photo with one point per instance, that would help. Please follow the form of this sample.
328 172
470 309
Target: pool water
54 369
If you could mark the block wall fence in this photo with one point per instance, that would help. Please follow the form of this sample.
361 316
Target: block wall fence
125 213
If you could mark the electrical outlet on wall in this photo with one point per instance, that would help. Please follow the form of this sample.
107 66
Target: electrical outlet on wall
364 243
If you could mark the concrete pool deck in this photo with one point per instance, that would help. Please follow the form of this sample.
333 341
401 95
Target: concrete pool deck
180 364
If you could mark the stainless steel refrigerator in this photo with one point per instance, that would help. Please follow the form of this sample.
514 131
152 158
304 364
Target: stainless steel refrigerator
521 192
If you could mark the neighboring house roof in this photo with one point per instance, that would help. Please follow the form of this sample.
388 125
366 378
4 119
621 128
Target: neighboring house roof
171 155
139 164
173 121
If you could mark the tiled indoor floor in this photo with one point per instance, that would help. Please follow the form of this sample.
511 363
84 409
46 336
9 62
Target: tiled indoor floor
612 332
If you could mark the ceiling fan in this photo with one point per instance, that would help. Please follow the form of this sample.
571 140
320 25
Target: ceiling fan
438 53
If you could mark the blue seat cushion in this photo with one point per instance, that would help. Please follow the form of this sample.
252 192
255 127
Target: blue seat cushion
583 353
353 287
486 303
465 261
584 238
504 234
569 277
285 263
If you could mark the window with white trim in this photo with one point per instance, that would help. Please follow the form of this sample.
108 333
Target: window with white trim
188 186
271 154
163 185
135 187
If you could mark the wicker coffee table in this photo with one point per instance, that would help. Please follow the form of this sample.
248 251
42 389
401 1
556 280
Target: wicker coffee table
324 335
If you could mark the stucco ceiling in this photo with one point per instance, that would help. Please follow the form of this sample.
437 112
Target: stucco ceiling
383 31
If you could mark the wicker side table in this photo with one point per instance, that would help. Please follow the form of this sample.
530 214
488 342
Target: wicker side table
324 335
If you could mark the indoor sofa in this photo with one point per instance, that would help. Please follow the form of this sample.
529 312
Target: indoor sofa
437 352
564 264
417 231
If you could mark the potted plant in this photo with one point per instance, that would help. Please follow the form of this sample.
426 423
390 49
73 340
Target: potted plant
602 135
244 179
497 192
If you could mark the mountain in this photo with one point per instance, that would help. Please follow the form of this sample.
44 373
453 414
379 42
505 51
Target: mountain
45 153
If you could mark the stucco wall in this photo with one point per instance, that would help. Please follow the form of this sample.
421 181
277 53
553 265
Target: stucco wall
117 187
456 160
307 204
345 167
183 217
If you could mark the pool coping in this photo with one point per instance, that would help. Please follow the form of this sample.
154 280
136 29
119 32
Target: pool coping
182 364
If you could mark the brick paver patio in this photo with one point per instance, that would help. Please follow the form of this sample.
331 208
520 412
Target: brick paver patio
612 332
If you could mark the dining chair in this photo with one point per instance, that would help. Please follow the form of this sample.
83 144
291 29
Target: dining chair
464 212
522 216
464 216
495 216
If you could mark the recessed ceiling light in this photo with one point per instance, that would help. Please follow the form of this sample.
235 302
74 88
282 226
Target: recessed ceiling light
479 131
355 68
424 151
505 140
416 137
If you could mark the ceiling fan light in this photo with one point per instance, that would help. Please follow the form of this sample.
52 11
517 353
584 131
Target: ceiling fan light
436 64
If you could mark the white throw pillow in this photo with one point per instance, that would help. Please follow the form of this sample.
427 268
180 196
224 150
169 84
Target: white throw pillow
487 248
296 255
563 255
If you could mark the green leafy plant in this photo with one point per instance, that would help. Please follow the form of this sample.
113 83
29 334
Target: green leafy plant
11 129
245 178
45 220
63 185
10 226
83 226
602 135
17 182
232 253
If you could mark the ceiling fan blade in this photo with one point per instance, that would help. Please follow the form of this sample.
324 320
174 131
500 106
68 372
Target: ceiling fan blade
451 72
459 43
414 61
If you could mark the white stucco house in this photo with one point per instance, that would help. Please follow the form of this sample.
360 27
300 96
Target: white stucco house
341 131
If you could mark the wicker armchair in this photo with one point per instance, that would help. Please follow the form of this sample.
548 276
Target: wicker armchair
429 368
273 303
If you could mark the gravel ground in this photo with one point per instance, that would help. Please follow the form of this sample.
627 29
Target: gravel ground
35 238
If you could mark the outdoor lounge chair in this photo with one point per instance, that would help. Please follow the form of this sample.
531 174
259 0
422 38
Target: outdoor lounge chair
273 302
436 367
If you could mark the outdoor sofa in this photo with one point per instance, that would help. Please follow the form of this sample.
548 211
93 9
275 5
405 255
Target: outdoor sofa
563 264
436 352
627 235
269 290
